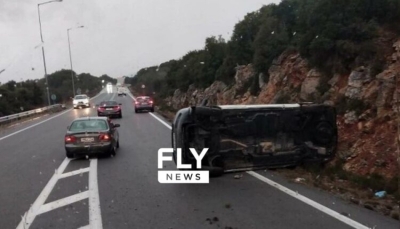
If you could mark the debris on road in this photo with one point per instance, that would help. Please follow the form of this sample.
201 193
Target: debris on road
238 176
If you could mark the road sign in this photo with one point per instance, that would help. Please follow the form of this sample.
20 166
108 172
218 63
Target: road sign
53 97
78 91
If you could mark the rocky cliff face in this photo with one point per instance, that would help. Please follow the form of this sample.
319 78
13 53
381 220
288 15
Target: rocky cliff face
366 102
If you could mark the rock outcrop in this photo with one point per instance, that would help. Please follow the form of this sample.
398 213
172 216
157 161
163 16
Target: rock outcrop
367 126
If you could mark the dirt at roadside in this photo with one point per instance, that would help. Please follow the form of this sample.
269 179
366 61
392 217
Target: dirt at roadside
345 189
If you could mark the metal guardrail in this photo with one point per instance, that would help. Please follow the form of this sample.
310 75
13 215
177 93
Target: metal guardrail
10 118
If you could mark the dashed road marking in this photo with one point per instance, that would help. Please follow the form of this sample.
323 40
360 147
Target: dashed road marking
38 206
92 194
31 214
73 173
63 202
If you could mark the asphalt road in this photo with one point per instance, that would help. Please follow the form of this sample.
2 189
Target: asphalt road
40 188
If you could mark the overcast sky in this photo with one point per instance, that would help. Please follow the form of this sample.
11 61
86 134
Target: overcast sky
120 36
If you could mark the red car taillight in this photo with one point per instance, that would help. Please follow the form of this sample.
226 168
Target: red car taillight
105 137
151 102
70 139
117 108
100 108
136 102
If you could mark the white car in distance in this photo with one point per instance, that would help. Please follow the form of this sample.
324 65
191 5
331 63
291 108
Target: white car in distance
109 88
81 101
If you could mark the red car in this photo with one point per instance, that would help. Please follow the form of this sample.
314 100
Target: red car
144 103
110 109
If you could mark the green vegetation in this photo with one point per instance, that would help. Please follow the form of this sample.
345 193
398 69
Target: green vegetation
32 94
333 36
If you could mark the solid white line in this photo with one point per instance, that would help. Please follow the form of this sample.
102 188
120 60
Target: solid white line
63 202
34 209
310 202
95 220
304 199
73 173
36 124
160 120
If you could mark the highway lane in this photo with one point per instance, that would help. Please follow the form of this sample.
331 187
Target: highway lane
29 159
130 195
18 126
134 197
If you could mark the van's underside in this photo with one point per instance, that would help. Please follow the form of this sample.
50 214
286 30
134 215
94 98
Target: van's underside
253 138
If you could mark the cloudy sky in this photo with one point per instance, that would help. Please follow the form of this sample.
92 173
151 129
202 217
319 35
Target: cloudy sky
119 38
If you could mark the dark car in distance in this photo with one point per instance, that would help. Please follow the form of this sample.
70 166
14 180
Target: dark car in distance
144 103
91 135
121 92
110 109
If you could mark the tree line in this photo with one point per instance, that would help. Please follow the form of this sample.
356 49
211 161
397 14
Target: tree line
30 94
334 36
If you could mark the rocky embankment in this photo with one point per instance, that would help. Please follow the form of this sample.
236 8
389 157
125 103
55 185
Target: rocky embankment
366 104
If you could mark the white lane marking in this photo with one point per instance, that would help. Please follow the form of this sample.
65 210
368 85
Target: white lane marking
95 220
30 215
36 124
85 227
63 202
310 202
160 120
304 199
73 173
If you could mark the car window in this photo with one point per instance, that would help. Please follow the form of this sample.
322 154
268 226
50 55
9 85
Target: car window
80 97
143 99
83 125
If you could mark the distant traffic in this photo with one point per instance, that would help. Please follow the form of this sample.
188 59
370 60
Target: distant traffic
98 135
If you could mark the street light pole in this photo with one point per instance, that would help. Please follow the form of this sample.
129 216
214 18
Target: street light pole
44 58
70 59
